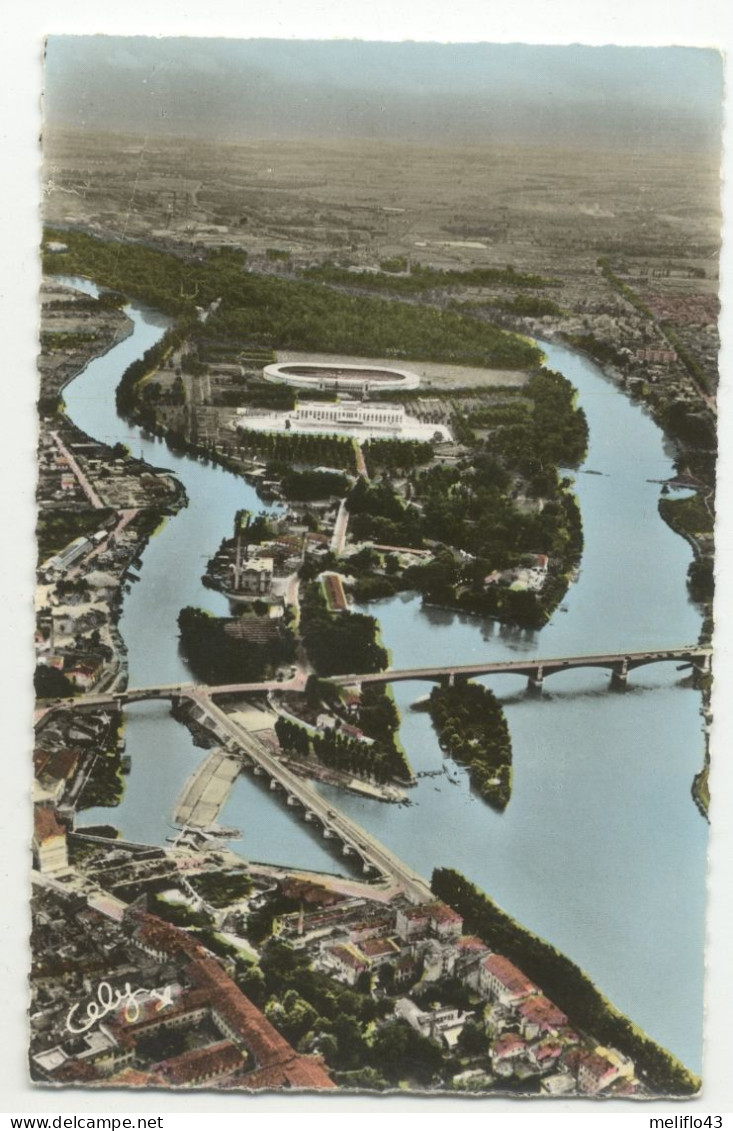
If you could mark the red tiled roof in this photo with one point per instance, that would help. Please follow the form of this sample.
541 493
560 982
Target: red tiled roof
369 927
422 911
76 1072
471 942
198 1064
373 948
310 893
261 1037
546 1050
508 1043
151 1015
58 765
539 1010
442 913
136 1078
348 957
46 824
164 936
508 974
301 1072
268 1047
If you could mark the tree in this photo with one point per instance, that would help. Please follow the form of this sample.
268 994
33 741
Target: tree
50 683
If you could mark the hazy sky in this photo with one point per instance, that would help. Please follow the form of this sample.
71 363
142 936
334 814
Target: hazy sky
487 93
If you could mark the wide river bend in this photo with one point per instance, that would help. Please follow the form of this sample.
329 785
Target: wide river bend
601 849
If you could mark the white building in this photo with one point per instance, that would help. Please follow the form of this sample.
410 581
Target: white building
439 1022
351 414
253 576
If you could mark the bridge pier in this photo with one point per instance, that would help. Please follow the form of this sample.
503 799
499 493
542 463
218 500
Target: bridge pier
454 679
534 683
620 676
701 667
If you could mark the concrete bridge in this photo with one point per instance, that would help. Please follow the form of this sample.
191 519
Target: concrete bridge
619 664
376 859
536 670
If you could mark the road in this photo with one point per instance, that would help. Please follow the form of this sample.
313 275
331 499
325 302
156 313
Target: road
338 539
372 850
531 667
84 483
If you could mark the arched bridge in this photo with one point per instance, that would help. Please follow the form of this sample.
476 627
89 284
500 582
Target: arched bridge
536 670
696 656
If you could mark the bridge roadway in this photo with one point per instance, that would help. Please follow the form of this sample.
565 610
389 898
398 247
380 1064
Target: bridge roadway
356 840
619 663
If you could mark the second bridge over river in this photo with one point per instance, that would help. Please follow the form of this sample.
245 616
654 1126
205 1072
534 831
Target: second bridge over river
696 657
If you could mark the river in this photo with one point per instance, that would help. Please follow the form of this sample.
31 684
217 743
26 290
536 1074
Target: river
601 849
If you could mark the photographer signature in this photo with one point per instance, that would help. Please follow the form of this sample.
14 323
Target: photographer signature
108 1000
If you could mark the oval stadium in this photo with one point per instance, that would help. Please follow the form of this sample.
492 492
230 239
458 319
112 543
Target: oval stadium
349 378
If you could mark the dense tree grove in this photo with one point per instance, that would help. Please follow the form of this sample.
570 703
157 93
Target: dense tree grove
701 580
293 738
321 1014
217 657
362 1046
602 351
554 433
127 392
50 683
379 514
220 889
57 527
377 713
564 983
296 448
420 279
272 311
529 306
396 456
278 398
338 643
308 485
338 751
470 507
473 730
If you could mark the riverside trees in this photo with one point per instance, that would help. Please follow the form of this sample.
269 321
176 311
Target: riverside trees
272 311
472 729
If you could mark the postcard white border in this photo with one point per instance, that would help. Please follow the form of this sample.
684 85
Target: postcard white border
640 22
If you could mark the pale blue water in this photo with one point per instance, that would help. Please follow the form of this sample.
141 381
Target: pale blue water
601 849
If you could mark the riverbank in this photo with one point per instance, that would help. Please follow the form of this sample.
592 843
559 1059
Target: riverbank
566 984
98 509
556 813
472 729
207 791
81 329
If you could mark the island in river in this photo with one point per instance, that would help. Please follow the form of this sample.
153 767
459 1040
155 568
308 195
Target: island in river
415 1058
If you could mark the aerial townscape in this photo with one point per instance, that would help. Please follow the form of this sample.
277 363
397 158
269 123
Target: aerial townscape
375 574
